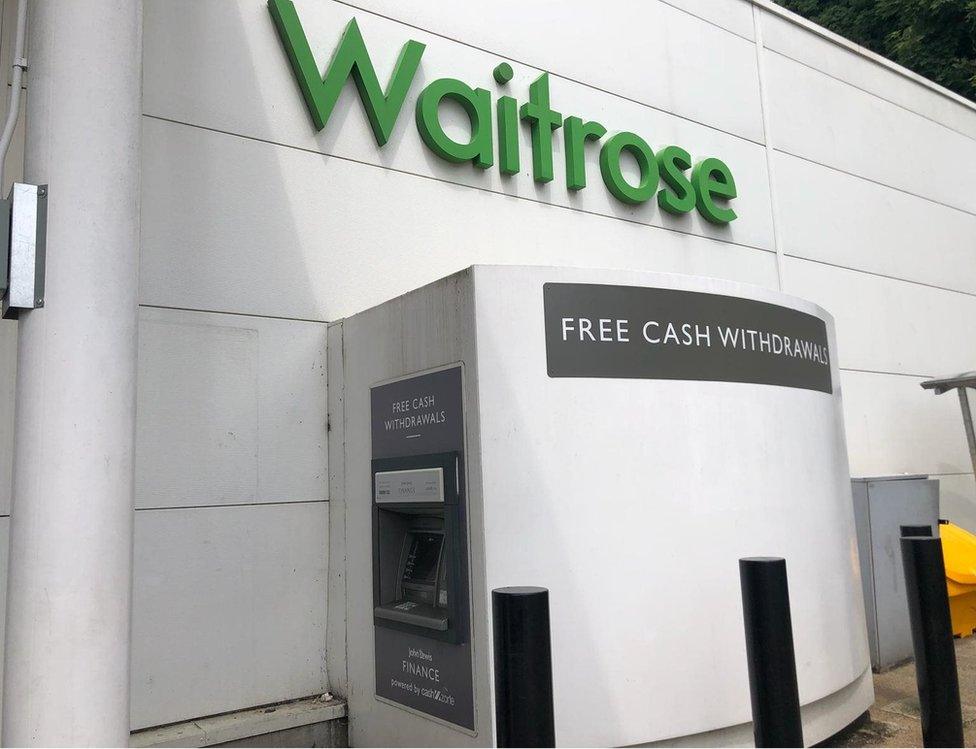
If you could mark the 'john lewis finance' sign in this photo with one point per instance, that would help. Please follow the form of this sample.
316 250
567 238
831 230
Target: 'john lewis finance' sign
667 334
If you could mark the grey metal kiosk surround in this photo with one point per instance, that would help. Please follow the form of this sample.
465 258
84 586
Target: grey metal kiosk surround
421 613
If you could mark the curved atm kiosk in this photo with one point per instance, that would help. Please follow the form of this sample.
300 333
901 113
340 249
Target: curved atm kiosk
620 438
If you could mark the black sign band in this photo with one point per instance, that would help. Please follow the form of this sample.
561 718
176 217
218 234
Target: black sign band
636 332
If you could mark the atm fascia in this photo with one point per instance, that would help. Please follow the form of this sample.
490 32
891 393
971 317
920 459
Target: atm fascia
420 575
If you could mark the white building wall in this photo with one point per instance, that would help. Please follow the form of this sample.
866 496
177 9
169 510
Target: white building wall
231 537
878 227
257 230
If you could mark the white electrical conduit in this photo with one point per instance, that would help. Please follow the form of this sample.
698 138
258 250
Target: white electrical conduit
19 66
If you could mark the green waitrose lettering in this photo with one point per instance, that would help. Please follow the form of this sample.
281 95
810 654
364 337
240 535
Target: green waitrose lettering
709 187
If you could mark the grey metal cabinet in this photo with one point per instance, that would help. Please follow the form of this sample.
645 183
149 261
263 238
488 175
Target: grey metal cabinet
881 506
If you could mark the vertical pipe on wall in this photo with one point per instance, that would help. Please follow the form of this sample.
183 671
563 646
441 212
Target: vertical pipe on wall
17 69
66 661
769 146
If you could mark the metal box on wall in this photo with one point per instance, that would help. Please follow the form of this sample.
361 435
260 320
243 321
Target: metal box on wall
882 505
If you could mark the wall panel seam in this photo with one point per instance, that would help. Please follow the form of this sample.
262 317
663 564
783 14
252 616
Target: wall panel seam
350 160
554 74
883 372
856 49
899 279
876 95
236 314
807 27
709 21
875 182
769 147
233 504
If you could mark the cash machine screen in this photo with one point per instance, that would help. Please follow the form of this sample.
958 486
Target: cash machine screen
423 554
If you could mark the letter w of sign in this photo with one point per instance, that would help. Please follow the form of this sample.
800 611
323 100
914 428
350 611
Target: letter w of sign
349 59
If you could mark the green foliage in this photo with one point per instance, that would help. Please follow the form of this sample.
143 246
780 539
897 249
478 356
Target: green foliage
935 38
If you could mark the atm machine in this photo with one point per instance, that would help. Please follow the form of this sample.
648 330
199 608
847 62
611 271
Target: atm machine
621 438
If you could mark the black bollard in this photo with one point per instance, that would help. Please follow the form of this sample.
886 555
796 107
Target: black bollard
916 530
769 651
523 667
935 653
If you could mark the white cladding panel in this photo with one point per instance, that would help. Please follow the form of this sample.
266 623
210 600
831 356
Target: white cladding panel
608 46
270 230
231 410
900 428
832 123
230 587
735 16
632 500
886 325
863 70
874 228
222 91
229 608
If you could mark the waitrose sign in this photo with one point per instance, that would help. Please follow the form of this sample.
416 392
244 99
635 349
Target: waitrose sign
679 183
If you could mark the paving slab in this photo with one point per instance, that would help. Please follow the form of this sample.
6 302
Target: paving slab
894 718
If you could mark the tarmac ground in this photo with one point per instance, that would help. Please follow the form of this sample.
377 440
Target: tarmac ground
894 718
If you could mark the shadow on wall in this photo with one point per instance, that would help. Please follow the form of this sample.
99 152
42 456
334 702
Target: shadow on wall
208 194
214 575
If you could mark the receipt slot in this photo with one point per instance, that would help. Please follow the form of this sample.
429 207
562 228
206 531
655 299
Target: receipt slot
418 545
551 427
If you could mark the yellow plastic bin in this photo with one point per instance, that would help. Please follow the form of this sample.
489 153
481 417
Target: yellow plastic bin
959 551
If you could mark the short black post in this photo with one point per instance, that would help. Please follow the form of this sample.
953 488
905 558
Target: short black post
935 653
916 530
769 650
523 667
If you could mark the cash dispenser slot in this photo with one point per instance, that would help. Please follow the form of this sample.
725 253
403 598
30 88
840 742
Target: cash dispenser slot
421 597
419 579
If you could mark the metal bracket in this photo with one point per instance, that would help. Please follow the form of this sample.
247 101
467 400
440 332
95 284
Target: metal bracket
4 247
961 383
23 217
